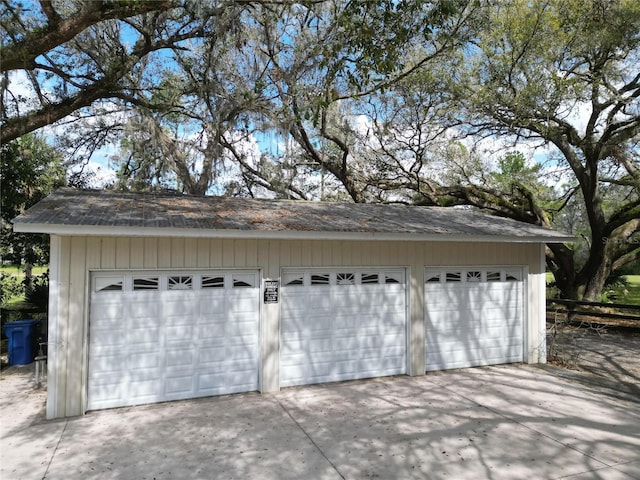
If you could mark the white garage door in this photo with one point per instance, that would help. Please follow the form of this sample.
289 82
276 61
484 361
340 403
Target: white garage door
473 317
342 324
158 336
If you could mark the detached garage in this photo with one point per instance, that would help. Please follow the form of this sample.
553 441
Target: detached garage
159 297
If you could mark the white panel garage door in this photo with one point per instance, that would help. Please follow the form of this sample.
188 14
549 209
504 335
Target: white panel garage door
342 324
158 336
473 317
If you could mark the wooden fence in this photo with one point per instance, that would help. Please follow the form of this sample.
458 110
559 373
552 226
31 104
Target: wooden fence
606 313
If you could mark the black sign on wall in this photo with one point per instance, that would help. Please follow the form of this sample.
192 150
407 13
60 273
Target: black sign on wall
271 291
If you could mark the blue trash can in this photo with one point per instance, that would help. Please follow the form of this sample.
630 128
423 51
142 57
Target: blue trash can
20 335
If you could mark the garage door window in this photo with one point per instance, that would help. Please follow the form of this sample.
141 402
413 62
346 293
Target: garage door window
345 279
320 279
180 282
394 277
355 277
140 282
212 282
369 278
293 279
513 275
433 277
493 276
453 277
146 283
473 275
108 284
244 280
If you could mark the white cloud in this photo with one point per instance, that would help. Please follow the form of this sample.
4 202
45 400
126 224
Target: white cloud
99 175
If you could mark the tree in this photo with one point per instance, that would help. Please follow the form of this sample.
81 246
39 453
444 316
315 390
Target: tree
75 55
296 71
555 73
543 66
72 54
192 125
30 170
342 56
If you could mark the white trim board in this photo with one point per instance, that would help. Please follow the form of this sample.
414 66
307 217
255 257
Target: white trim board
116 231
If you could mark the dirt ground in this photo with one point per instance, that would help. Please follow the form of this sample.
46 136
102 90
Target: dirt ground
604 359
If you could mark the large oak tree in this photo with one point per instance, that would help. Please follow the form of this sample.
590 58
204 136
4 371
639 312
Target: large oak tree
195 77
563 75
566 73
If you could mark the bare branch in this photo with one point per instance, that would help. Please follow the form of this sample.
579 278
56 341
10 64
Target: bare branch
22 55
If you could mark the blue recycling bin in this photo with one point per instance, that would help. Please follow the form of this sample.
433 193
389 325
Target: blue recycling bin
20 335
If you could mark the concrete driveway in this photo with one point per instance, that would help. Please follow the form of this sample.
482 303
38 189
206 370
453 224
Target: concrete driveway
508 422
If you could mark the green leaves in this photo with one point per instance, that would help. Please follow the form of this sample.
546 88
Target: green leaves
29 170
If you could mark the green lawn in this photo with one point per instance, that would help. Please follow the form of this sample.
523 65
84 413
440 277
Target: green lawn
629 294
18 271
632 292
18 301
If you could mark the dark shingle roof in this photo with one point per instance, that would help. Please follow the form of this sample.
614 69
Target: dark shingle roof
88 212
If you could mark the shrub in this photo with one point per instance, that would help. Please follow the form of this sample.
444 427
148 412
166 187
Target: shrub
10 287
38 294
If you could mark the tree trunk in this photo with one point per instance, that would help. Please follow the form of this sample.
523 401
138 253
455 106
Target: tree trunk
28 277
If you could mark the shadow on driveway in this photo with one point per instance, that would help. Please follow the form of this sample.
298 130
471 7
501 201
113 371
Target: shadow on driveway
506 422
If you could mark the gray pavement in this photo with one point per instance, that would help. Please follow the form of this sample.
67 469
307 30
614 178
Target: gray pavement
507 422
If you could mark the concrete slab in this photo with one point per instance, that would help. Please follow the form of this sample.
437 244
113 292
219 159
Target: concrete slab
411 428
244 436
606 430
27 442
484 423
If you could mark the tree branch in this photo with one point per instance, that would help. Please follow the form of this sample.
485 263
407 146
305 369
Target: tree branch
22 55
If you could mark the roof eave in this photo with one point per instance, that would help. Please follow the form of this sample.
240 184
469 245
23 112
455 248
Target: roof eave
118 231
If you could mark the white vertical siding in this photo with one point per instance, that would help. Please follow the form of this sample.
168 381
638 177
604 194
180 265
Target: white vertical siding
269 260
136 253
61 345
73 257
123 253
76 333
164 253
108 253
54 368
536 305
416 343
202 254
150 254
191 252
215 251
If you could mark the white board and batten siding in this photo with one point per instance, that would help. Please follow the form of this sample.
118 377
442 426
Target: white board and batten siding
342 324
75 260
473 317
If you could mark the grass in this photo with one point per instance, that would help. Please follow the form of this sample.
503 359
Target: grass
18 270
18 302
628 294
631 293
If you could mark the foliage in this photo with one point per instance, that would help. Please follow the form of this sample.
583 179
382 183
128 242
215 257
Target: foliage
38 294
367 101
632 294
73 54
529 74
30 170
10 287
